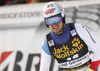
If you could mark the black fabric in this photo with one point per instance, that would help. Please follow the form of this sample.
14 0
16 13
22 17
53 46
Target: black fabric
75 45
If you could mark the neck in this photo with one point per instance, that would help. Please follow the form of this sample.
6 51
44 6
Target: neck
61 31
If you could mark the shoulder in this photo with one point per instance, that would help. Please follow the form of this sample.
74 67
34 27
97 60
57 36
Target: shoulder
45 47
80 28
84 32
77 25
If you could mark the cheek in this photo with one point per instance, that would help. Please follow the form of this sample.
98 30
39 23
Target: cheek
61 25
50 27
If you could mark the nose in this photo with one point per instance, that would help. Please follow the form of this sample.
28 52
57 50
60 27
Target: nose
54 24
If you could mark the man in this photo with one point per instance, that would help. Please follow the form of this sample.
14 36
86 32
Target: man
68 43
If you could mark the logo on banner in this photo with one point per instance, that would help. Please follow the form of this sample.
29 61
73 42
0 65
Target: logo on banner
4 56
18 61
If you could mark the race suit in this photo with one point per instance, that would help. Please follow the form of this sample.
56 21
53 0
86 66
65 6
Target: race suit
71 49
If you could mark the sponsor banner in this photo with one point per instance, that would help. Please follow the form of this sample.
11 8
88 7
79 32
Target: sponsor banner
30 13
75 63
20 48
21 14
19 61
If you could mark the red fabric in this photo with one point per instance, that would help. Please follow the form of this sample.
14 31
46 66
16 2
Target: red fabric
94 65
28 1
5 1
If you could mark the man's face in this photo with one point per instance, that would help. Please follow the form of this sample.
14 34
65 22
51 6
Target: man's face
56 27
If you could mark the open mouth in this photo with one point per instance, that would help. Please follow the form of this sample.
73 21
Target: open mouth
56 27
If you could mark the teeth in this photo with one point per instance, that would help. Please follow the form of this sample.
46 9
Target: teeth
55 27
